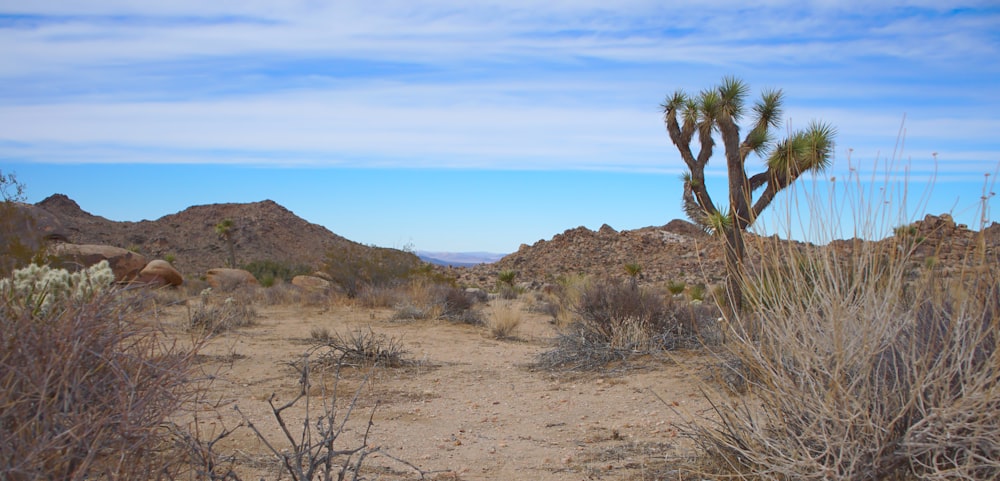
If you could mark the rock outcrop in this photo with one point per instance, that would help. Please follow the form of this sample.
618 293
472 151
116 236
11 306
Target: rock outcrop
160 272
225 279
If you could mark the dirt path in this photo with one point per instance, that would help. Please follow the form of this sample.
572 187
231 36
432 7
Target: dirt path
471 407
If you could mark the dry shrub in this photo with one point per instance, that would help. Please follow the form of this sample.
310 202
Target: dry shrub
504 319
361 348
86 393
283 294
213 316
374 297
329 442
859 367
438 301
614 320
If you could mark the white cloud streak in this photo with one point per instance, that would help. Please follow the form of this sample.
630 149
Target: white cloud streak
512 84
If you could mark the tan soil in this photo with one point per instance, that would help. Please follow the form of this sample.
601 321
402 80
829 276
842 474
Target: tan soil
471 407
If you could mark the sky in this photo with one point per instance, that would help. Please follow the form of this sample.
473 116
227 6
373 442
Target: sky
482 125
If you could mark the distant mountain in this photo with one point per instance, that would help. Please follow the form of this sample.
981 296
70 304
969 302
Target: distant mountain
262 231
459 259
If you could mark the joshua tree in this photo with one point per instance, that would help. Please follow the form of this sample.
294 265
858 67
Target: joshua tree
225 231
633 269
718 111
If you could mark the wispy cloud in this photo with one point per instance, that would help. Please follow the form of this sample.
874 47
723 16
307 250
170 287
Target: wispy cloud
512 84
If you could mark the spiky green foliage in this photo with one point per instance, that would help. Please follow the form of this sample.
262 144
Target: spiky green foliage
718 111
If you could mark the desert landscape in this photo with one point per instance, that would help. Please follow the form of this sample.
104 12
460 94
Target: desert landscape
484 372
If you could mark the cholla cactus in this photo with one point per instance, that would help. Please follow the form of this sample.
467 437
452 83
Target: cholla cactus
41 287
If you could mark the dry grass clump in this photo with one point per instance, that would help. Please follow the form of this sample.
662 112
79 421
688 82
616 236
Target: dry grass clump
213 315
86 392
615 320
855 374
438 301
858 367
504 318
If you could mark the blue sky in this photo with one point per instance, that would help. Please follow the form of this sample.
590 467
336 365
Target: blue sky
475 126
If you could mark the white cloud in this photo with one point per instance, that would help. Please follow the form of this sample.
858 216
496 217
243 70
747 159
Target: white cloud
514 84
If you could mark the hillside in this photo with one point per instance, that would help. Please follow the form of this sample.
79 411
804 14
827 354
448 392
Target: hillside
680 252
261 231
677 251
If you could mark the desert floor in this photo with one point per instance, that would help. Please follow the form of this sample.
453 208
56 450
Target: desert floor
469 407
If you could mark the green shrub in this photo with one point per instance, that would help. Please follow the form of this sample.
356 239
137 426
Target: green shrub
268 272
676 288
354 266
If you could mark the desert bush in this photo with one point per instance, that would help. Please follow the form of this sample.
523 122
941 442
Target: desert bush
319 450
676 287
39 289
503 320
85 390
19 244
505 284
615 320
439 301
863 377
212 316
361 348
374 297
354 266
268 272
856 370
282 293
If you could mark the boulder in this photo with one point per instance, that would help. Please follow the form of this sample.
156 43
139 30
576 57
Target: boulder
160 272
311 283
124 263
225 279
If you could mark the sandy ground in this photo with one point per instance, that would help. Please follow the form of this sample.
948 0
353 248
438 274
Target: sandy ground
469 407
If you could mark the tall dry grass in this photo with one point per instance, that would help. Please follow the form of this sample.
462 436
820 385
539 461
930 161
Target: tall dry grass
860 362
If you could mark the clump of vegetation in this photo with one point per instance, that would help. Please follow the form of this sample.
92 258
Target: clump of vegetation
503 320
862 376
854 370
39 289
439 301
18 245
614 321
505 284
86 391
633 270
269 272
213 316
355 266
676 287
361 348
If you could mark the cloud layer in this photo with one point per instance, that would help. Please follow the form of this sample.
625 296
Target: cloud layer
484 85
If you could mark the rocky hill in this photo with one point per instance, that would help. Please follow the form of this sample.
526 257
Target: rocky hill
678 251
266 231
262 231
